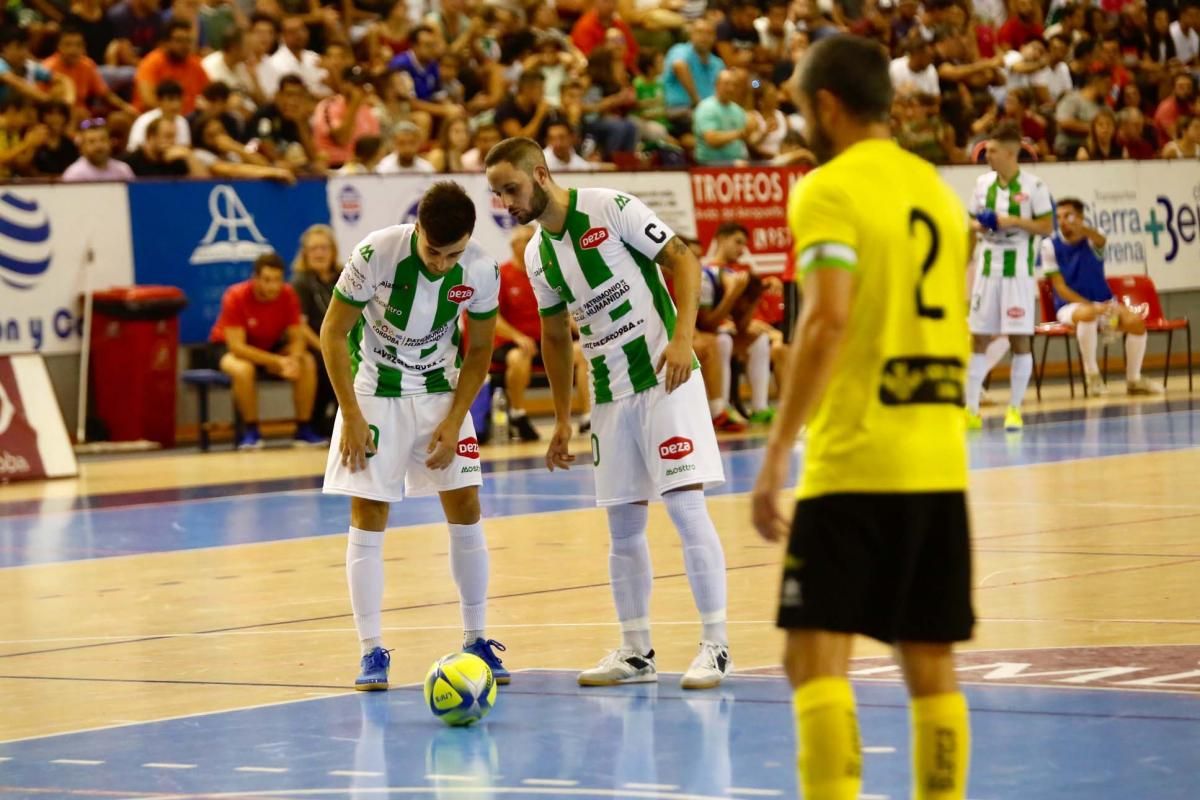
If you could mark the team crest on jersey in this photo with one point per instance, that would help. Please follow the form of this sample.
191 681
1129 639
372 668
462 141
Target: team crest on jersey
593 238
460 294
1016 312
675 448
469 447
1020 197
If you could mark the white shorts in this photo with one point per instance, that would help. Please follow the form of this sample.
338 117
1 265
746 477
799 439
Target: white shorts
1002 305
403 427
1066 314
647 444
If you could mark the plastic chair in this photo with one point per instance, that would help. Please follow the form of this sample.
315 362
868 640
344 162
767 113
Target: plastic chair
204 380
1051 328
1138 293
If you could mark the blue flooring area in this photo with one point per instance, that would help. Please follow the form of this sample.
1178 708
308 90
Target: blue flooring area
549 738
55 531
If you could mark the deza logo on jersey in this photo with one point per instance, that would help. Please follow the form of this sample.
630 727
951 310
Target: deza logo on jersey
593 238
469 447
675 448
460 294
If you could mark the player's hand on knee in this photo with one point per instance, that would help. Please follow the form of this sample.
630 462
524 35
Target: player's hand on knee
357 442
558 453
443 445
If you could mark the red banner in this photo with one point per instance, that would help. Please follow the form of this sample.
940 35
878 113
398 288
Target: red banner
19 455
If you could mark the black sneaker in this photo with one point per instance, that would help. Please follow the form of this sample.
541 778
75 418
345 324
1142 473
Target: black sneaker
524 428
585 426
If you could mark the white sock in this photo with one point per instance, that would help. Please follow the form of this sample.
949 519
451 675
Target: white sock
758 368
725 359
716 407
364 574
976 371
469 565
629 572
516 413
1086 333
995 352
1019 375
1135 353
703 558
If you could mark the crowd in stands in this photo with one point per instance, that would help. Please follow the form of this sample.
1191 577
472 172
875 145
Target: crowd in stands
94 89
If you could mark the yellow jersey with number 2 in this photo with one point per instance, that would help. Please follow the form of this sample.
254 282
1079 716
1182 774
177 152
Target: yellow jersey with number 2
891 419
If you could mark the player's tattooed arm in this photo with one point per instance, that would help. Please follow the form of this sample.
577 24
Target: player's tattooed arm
676 361
672 250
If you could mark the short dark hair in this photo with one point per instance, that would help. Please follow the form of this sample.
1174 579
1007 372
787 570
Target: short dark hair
270 260
11 34
412 36
70 29
14 100
168 88
446 213
259 16
291 79
216 92
530 77
47 107
175 24
367 147
730 228
1073 202
1006 132
852 69
522 153
233 39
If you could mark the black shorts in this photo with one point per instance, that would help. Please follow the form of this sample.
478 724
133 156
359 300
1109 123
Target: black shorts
895 567
213 352
500 354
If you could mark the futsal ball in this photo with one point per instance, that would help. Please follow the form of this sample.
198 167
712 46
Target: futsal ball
460 689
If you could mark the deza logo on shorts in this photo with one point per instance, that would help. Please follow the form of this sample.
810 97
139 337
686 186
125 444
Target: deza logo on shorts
460 294
593 238
675 448
469 447
1016 312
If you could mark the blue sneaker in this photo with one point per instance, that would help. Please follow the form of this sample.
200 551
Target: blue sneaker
251 440
305 435
374 674
483 649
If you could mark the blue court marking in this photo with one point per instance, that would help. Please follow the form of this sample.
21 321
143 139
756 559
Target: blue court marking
549 738
66 535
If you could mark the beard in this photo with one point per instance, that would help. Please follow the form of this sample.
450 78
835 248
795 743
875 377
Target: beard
537 206
819 141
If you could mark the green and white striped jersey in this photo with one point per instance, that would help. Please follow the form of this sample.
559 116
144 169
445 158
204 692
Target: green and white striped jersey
601 268
1010 252
406 341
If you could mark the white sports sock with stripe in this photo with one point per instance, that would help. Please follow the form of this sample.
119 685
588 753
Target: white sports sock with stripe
1135 353
703 557
469 565
1022 371
1087 334
758 368
364 574
630 573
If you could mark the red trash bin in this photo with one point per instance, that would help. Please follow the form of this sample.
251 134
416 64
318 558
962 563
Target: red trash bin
134 347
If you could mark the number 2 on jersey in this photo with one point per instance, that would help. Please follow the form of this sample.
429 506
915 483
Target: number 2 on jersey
919 216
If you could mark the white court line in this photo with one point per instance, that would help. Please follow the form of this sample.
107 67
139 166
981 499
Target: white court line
879 749
873 797
754 792
269 770
167 765
437 776
6 758
654 787
350 773
80 762
548 782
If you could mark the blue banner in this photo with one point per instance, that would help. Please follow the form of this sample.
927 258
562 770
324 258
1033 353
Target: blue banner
203 236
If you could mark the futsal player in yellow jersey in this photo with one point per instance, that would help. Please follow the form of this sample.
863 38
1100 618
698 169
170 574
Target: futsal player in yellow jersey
879 543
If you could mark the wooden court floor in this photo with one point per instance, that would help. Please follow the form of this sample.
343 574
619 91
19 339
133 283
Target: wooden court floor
1086 535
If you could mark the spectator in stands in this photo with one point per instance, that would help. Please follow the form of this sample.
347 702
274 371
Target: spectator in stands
525 112
691 71
225 157
368 151
1073 259
455 26
260 332
721 126
589 31
344 116
1057 81
1132 133
776 33
1182 102
1162 44
18 72
1108 58
58 151
294 58
1070 23
420 62
925 134
95 162
260 42
315 272
1187 145
168 105
173 60
964 79
486 137
518 338
651 113
1018 108
454 140
560 149
215 102
161 157
406 143
137 27
770 123
217 21
388 38
20 137
607 103
914 73
1185 32
1028 67
1102 143
1022 26
230 66
281 129
70 61
1075 113
88 17
737 38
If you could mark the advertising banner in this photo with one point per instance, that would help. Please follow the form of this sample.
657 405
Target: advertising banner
203 236
33 439
668 193
54 241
